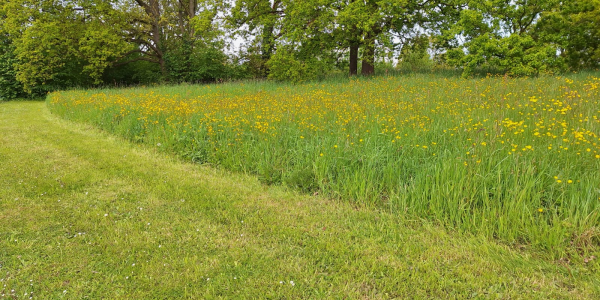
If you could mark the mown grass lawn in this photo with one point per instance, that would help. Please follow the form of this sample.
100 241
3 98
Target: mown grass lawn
85 215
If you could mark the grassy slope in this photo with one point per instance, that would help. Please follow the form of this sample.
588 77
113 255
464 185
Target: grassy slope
87 215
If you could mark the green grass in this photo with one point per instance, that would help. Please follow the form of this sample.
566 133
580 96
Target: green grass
511 159
85 215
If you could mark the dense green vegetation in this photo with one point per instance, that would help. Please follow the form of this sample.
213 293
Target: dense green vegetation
87 215
514 159
52 45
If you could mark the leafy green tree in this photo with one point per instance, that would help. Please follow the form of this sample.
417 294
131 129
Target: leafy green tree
61 44
101 42
262 20
414 55
58 44
360 28
10 87
177 35
49 44
573 26
501 35
288 64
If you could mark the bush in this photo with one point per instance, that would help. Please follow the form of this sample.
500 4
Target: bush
187 62
414 55
10 87
285 66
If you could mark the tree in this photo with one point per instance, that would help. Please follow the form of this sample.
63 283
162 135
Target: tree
60 44
502 36
414 53
573 26
39 42
10 87
263 20
173 34
361 23
360 27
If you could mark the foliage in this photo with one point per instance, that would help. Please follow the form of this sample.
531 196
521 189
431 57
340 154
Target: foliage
73 43
574 29
100 46
44 49
57 46
10 87
414 55
253 62
76 43
186 63
263 21
523 38
502 35
285 65
134 73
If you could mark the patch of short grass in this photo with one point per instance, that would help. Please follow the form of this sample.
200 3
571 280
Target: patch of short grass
84 215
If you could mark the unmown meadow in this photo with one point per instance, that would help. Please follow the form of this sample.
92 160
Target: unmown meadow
512 159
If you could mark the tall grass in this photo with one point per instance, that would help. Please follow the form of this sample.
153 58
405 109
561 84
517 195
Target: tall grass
515 159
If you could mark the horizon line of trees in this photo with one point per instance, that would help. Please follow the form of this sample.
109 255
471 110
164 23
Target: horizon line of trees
48 45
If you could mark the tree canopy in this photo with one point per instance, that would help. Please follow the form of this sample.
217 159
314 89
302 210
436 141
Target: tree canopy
49 45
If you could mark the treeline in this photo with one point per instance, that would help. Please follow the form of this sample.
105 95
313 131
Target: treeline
49 45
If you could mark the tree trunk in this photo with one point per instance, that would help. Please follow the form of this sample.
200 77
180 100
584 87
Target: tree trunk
368 59
268 39
192 8
354 59
155 14
163 67
267 42
152 9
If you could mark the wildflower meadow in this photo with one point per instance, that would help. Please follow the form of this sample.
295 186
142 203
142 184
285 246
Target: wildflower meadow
515 159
